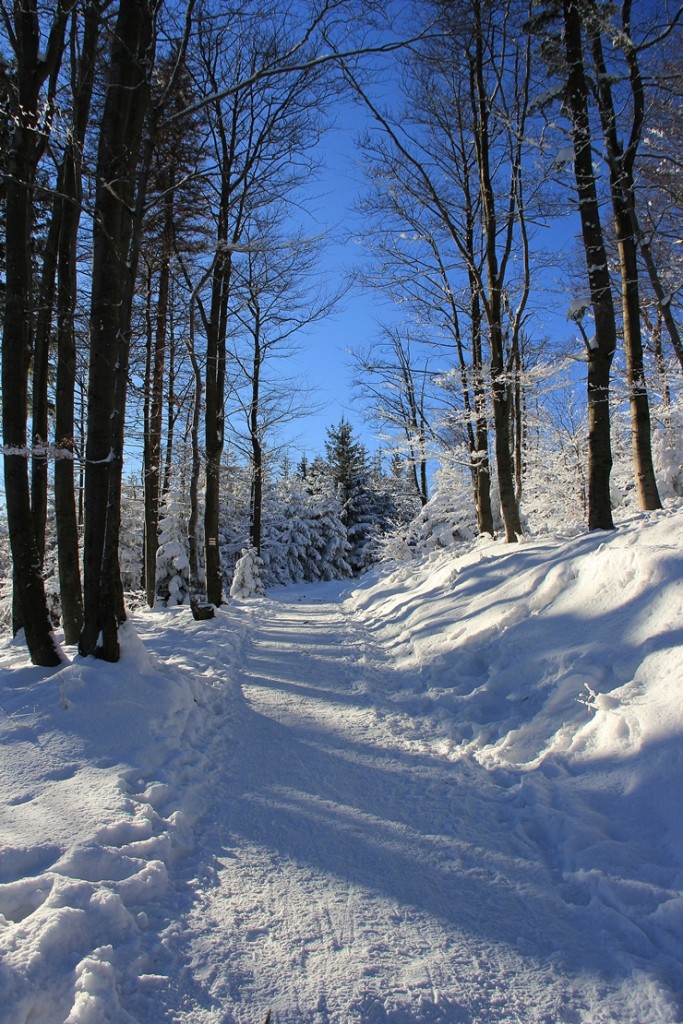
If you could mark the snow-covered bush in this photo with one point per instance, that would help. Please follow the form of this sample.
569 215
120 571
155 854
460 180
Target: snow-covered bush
132 535
173 565
5 580
233 527
247 580
447 519
667 450
304 538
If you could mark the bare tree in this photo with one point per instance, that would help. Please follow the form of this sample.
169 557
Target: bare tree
275 296
621 160
394 390
126 99
601 347
37 63
84 38
261 133
472 97
660 180
175 202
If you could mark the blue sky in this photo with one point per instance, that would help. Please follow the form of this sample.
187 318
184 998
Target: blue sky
323 358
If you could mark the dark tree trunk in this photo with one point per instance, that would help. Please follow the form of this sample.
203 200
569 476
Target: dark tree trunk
482 469
214 424
152 460
33 68
170 414
256 449
622 189
70 193
118 155
198 600
641 428
424 483
64 486
146 413
41 367
601 349
500 386
66 514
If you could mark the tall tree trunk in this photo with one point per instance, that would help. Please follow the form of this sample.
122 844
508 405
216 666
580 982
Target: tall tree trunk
600 350
214 428
30 601
64 486
41 367
475 403
256 449
482 468
152 461
198 599
146 416
170 411
641 428
62 265
500 385
118 154
66 514
34 65
622 190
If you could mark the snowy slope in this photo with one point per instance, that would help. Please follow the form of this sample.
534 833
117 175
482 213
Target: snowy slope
451 794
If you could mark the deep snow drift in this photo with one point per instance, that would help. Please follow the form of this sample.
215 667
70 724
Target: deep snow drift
451 794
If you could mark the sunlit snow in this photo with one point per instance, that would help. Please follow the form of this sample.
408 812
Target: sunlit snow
447 792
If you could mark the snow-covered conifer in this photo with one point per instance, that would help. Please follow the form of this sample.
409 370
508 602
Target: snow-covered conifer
172 585
247 580
131 536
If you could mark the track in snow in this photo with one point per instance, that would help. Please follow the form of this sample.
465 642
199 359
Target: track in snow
347 874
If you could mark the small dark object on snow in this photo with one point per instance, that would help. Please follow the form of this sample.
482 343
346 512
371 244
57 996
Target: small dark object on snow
202 611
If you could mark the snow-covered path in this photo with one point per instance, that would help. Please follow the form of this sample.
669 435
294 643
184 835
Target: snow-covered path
448 792
349 875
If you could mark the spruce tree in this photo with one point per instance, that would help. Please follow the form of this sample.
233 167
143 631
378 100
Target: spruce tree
346 458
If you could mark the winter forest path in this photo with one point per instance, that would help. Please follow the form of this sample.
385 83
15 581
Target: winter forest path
348 873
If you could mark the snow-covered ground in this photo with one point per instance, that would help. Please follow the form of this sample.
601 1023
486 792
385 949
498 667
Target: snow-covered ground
450 792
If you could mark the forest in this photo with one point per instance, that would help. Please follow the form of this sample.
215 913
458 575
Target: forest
159 264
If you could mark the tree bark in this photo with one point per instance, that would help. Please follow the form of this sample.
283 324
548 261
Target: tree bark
118 154
64 485
481 469
214 422
66 516
41 365
198 599
500 384
601 350
152 452
622 190
256 449
33 69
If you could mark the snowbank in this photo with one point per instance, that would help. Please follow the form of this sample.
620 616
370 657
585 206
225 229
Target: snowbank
450 795
96 809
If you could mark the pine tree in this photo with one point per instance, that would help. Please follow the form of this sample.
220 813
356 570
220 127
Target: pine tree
346 458
348 469
172 584
304 538
248 577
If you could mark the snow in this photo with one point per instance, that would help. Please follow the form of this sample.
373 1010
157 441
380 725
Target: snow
446 793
